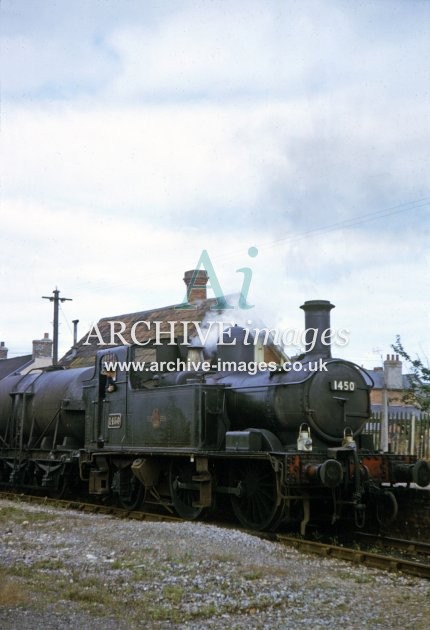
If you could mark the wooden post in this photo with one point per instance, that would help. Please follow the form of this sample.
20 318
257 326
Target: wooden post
412 447
384 421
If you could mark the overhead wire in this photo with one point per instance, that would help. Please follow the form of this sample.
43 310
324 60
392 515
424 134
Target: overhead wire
348 223
408 206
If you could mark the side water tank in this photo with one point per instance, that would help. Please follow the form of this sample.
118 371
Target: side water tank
44 403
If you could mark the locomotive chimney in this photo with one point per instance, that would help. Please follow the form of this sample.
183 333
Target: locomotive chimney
317 326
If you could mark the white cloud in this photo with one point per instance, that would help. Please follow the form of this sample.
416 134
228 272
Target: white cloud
149 158
216 126
52 66
196 160
283 49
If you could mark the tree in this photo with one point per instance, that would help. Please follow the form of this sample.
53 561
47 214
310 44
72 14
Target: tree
419 378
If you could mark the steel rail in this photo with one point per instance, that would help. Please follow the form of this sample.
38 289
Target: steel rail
410 546
357 556
93 508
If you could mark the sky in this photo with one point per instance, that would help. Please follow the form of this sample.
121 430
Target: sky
134 134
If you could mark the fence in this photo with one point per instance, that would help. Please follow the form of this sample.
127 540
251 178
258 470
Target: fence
408 433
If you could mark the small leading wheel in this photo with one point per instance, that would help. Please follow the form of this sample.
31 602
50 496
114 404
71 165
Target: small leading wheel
132 492
258 505
184 498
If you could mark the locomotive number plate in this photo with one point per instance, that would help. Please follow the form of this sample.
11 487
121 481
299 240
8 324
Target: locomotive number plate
342 386
114 421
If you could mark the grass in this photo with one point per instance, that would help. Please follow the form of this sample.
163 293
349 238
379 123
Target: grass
364 579
87 594
48 581
48 564
255 574
173 594
12 592
18 516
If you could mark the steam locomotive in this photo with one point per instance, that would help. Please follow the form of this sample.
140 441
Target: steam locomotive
280 445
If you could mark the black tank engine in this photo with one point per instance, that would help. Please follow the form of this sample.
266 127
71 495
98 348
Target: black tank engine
281 445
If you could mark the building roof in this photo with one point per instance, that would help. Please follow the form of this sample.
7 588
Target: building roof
378 379
14 364
82 354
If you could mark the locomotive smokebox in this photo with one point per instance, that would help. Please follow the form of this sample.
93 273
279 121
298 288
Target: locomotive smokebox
317 326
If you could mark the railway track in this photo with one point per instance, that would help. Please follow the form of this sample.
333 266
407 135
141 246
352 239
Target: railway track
413 547
347 553
361 556
93 508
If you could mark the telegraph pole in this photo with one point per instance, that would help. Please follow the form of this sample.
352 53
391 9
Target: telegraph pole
56 299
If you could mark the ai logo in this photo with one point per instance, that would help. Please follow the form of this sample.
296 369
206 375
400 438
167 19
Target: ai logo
221 302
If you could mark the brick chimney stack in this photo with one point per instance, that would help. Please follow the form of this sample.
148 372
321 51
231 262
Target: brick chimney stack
393 372
3 351
196 280
42 348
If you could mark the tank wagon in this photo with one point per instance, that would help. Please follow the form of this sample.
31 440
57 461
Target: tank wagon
281 445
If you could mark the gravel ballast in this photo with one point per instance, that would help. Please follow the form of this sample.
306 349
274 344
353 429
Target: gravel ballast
66 569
